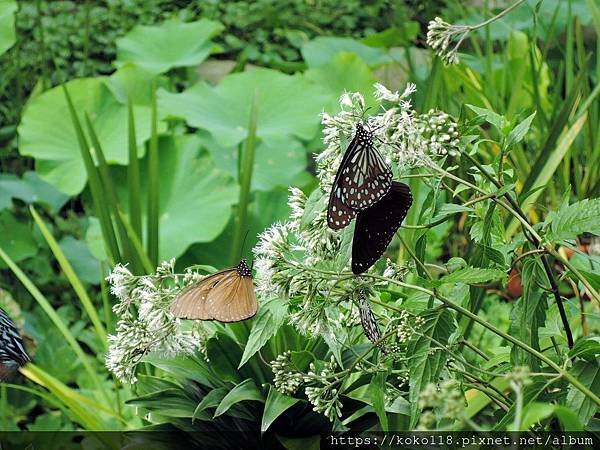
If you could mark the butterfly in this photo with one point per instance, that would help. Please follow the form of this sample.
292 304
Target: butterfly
362 179
368 321
376 226
12 352
226 296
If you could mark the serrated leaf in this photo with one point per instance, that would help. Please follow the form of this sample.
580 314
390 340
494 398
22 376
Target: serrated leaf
427 359
276 405
473 275
269 319
517 134
244 391
588 373
572 220
377 393
587 348
490 116
529 313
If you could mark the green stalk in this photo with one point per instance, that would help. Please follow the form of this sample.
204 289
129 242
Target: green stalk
245 181
57 321
138 248
153 187
74 280
563 373
110 240
112 202
133 177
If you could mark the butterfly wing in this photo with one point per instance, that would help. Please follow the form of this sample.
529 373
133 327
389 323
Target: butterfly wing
376 226
12 351
367 318
191 302
232 299
362 179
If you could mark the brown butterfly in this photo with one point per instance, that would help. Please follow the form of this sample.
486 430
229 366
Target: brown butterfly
226 296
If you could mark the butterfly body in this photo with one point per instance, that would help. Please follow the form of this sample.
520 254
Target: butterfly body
362 179
368 321
376 226
226 296
12 351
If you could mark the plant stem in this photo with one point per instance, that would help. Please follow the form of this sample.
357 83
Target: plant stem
153 186
245 181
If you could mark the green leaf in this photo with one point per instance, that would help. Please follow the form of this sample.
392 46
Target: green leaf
224 110
587 348
276 161
517 134
195 197
85 265
588 373
160 48
30 189
244 391
346 72
377 391
427 359
16 238
7 24
394 37
270 317
572 220
473 275
534 413
47 134
529 313
490 116
276 405
210 400
321 50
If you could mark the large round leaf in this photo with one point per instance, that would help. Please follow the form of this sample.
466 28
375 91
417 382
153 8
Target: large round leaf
170 44
16 238
47 133
196 198
7 24
346 72
321 50
30 189
287 106
276 161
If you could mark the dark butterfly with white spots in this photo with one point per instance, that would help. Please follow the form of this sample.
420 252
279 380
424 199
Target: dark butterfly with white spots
368 321
226 296
376 226
12 352
362 179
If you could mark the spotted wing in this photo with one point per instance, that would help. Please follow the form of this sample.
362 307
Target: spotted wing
191 302
367 318
12 351
362 179
376 226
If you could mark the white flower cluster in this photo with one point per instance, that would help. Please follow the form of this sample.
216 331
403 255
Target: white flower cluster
323 395
145 323
303 259
445 39
447 399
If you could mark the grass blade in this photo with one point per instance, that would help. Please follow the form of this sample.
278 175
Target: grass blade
112 202
153 187
138 248
133 178
245 180
57 321
74 280
110 240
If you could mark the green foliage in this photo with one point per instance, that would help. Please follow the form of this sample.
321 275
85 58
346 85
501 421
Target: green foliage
7 24
158 49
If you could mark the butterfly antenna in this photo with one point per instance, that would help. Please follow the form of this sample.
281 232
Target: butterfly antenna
244 244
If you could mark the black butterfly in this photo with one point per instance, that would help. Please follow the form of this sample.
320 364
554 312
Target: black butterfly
376 226
362 179
12 352
368 321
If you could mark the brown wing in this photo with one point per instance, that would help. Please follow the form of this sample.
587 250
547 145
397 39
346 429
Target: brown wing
232 299
191 302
